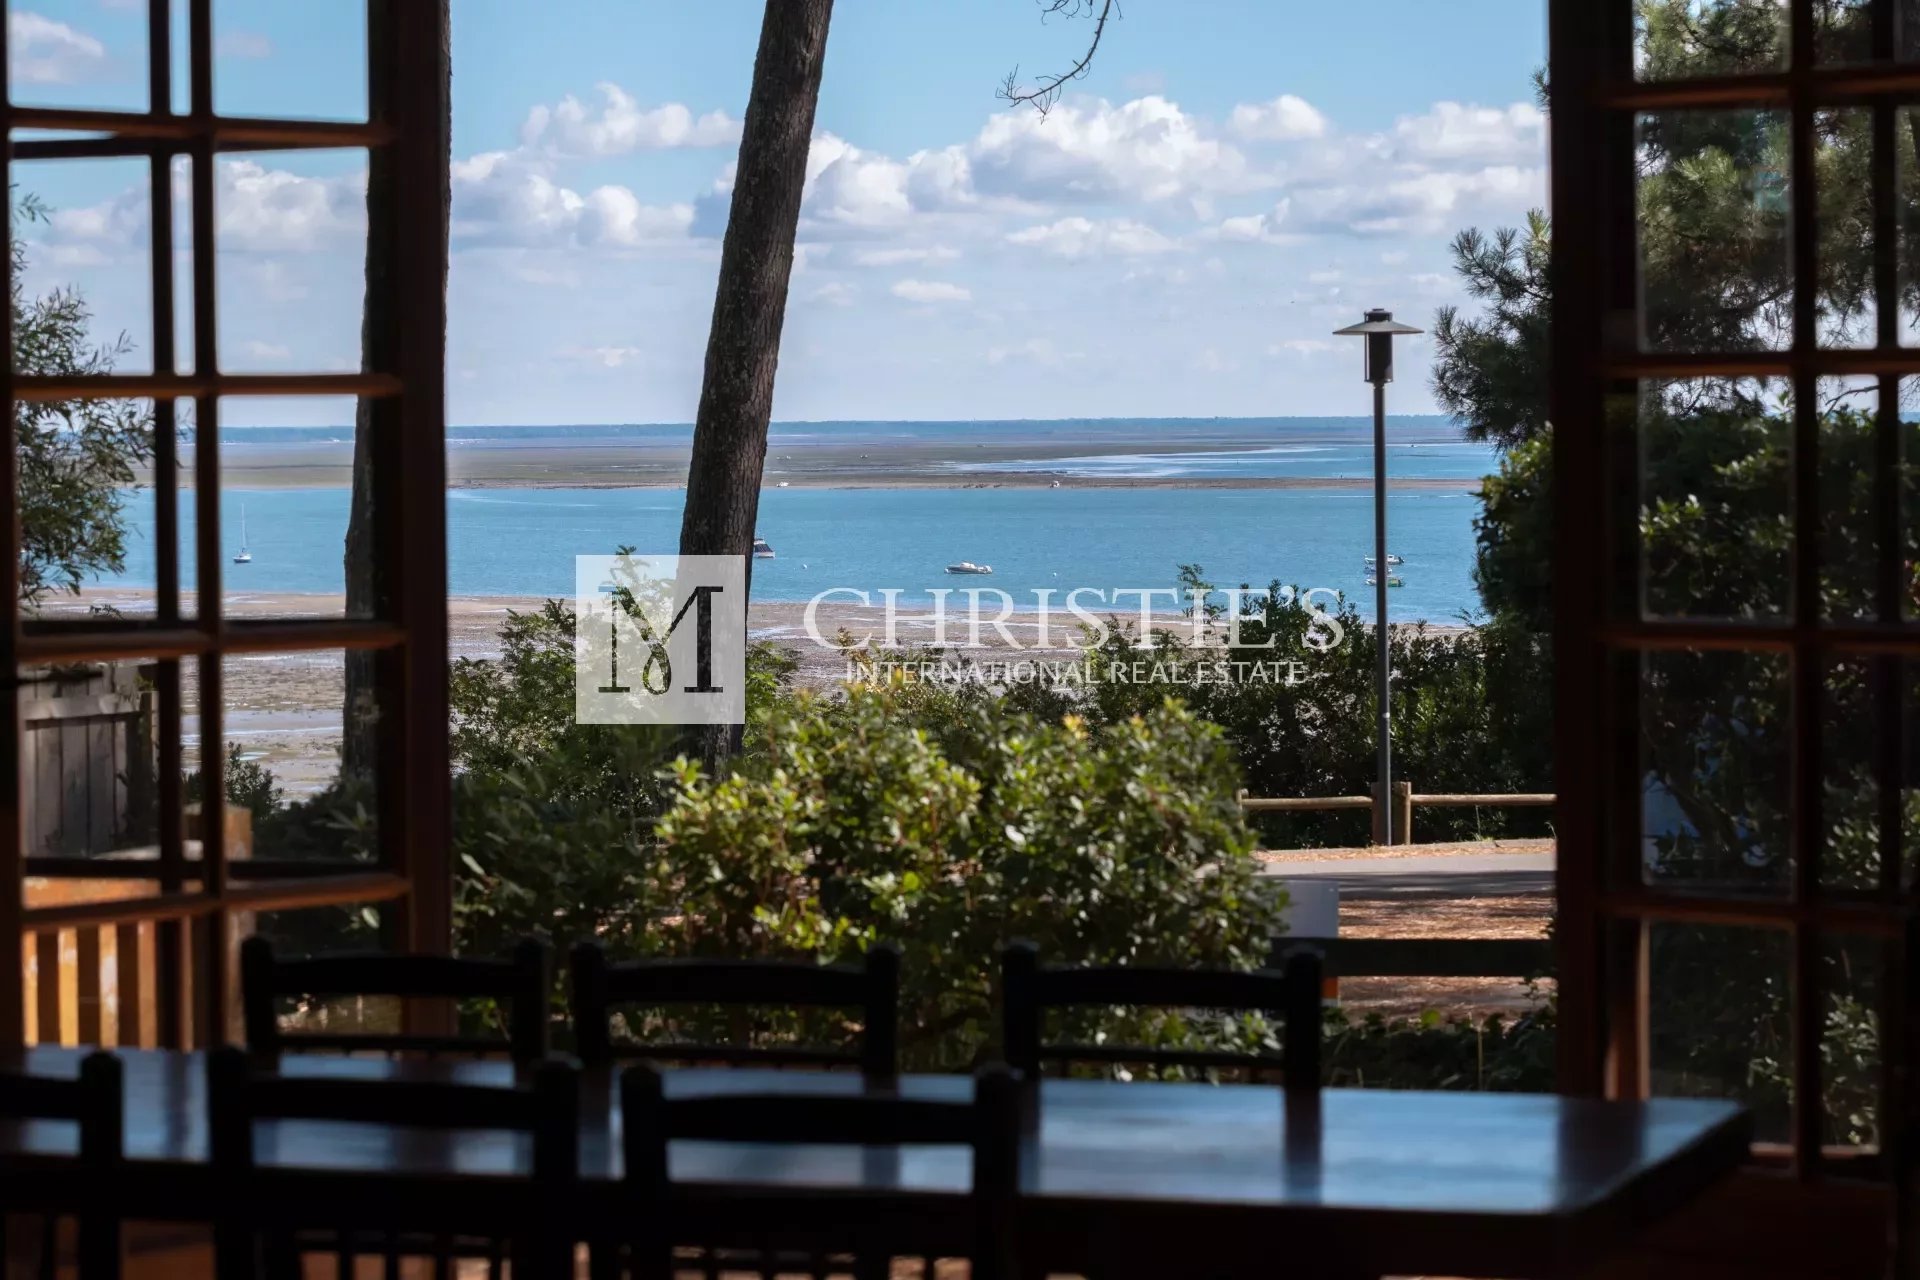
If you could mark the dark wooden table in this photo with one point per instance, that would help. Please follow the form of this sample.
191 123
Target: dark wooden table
1144 1179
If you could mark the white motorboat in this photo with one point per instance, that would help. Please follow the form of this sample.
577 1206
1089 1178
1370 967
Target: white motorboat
1391 559
968 566
245 556
762 549
1391 582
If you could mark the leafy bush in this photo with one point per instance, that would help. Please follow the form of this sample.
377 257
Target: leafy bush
847 824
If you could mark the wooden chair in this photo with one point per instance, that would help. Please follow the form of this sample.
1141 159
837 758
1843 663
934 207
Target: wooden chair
1029 989
96 1104
785 1238
266 1228
522 983
598 986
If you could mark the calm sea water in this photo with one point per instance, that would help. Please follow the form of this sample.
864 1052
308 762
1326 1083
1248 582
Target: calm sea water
521 542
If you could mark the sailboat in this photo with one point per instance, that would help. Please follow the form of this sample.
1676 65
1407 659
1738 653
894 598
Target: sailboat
245 556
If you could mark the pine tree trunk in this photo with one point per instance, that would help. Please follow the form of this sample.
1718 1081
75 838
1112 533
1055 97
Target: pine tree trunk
367 593
750 301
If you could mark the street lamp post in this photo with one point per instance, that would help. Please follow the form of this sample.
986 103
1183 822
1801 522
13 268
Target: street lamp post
1380 329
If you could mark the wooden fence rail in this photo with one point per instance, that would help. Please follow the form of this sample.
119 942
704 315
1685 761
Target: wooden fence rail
1405 801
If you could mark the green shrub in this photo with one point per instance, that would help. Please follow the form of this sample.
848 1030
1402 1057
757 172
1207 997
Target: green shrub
846 824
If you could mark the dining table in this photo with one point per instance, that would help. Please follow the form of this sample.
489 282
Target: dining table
1117 1178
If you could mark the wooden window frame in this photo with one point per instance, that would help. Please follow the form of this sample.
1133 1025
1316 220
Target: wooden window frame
1601 636
405 128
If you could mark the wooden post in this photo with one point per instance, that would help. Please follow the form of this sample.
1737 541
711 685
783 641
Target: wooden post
1403 813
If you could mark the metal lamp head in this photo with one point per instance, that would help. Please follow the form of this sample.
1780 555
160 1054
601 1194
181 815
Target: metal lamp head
1379 329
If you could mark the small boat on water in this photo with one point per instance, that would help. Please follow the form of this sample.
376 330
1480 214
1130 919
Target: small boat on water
1391 582
1391 559
968 566
245 556
762 549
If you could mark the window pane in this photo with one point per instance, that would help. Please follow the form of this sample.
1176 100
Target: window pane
287 504
1843 32
89 56
1852 974
1843 191
1683 39
87 510
1719 1019
1714 476
86 762
1713 771
263 63
1715 202
308 792
1849 536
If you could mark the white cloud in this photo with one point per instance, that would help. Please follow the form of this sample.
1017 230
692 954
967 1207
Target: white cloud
902 256
1323 277
511 197
616 125
1258 228
1147 149
1211 361
1451 133
43 51
254 349
1078 237
835 293
931 291
260 209
1418 203
243 44
1285 119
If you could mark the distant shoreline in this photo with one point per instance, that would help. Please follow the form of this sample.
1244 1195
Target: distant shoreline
997 462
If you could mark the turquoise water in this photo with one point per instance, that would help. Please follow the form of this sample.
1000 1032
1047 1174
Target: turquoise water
522 541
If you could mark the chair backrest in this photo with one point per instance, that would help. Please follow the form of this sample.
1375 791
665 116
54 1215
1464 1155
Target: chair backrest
240 1094
872 988
989 1124
96 1103
1029 988
521 983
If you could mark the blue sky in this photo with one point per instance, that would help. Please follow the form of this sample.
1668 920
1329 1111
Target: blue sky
1235 179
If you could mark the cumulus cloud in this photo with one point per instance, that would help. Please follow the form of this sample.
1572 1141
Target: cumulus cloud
1285 119
931 291
254 349
1452 133
616 124
1078 237
42 51
512 197
260 209
835 293
1257 228
1148 149
1418 203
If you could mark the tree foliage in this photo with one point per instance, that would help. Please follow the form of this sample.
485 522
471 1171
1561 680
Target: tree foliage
76 458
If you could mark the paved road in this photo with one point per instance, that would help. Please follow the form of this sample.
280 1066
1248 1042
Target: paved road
1455 875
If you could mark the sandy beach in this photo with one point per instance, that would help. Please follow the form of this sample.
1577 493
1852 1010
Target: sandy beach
816 465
